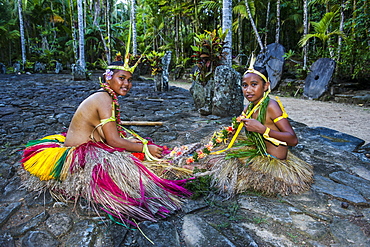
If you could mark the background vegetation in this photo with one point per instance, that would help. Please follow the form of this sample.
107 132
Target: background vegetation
336 28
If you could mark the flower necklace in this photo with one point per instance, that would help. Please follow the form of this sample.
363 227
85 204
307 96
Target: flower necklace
117 111
218 138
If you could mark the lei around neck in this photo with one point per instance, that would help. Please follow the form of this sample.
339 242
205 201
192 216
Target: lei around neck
117 107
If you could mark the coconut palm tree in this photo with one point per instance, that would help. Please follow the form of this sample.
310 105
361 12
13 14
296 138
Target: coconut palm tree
321 29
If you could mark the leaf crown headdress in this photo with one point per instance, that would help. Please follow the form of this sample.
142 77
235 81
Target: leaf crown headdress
126 66
252 70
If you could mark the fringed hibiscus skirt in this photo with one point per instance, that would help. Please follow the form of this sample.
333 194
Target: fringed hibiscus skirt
109 177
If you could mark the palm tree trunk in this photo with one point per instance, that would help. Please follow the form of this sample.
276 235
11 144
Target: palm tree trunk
177 52
97 24
341 27
305 32
21 29
267 21
240 34
353 33
196 16
254 26
74 32
134 32
227 25
277 34
108 13
81 35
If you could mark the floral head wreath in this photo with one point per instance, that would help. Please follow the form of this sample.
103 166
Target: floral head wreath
252 70
125 66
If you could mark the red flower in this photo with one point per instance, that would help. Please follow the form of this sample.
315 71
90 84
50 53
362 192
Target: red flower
229 129
189 160
140 156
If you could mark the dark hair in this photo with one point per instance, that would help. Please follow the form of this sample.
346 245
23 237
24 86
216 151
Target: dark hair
263 71
118 63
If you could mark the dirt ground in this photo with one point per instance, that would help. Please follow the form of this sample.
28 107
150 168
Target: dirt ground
347 118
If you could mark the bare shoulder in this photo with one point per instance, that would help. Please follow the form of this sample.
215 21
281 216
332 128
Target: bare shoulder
99 97
274 109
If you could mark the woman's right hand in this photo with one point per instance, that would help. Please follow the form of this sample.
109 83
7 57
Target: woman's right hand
155 151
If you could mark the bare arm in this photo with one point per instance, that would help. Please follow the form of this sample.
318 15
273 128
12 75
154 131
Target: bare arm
112 136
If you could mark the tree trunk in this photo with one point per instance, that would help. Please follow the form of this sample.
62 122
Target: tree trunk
21 30
254 26
74 32
134 32
267 21
277 34
196 17
108 46
227 25
177 52
341 27
305 32
240 35
353 34
80 69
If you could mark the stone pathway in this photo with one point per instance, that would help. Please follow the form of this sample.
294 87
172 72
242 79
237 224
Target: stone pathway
335 212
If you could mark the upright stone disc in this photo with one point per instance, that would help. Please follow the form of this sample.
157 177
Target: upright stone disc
317 81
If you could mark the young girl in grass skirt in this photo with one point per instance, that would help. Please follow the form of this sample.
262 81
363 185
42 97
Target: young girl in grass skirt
258 160
96 160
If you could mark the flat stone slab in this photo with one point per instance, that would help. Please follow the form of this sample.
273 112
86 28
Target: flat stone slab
348 234
159 234
29 225
359 184
309 226
39 239
328 186
82 234
8 211
59 224
278 211
336 139
197 233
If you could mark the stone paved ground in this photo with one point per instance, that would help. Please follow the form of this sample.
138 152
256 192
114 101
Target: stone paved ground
335 212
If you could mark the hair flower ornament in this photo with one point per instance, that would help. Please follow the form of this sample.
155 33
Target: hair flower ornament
108 74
